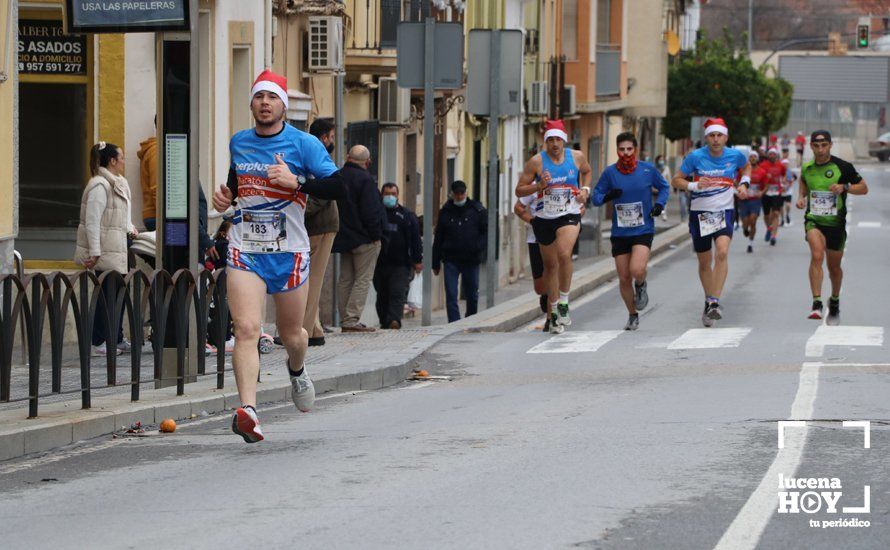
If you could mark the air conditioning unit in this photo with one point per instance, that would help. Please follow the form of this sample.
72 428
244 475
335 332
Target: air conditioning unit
325 43
539 98
394 103
568 100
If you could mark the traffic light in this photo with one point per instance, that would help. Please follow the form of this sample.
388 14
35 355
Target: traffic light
862 35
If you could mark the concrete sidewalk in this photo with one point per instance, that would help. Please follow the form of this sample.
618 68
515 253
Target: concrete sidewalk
348 362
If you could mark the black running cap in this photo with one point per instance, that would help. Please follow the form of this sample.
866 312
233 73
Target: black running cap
820 135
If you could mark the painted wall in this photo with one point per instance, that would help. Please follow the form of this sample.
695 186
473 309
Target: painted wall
140 106
8 132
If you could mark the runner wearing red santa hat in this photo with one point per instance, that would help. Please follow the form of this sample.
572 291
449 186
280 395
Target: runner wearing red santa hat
561 178
710 175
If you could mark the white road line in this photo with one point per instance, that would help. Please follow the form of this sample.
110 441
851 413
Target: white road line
577 342
746 529
830 364
709 338
57 456
869 224
849 336
536 325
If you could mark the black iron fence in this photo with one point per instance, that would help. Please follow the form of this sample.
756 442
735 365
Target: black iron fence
141 300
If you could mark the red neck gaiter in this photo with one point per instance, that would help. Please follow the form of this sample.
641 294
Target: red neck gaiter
626 163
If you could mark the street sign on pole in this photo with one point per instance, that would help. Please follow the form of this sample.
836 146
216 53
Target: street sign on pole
430 55
494 89
448 55
480 65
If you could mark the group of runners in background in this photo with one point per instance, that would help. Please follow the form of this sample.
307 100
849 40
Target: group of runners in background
727 190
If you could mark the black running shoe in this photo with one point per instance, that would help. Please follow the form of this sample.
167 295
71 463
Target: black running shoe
641 297
714 311
834 312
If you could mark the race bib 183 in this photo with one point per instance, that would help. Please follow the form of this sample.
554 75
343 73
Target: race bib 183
263 232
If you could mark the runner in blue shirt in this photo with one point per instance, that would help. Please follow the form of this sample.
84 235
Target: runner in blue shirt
710 174
628 184
274 167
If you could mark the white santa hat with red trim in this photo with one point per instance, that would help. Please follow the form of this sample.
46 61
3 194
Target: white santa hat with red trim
716 125
270 82
555 128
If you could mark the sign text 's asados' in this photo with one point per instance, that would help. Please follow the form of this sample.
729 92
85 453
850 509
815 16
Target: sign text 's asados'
44 48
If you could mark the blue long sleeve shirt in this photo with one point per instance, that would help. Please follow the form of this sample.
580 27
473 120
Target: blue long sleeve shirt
630 211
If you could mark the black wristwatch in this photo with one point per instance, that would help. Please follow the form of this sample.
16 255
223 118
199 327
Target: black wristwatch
847 186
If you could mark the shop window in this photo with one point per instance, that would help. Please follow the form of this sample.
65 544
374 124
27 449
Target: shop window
52 153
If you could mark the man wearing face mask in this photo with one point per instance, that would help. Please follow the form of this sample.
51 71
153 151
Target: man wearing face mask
399 261
459 243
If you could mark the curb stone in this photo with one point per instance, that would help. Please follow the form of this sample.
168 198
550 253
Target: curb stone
60 424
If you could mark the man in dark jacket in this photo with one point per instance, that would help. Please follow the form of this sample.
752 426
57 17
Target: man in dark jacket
400 260
358 240
460 241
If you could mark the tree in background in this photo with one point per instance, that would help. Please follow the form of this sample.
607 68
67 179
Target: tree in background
719 80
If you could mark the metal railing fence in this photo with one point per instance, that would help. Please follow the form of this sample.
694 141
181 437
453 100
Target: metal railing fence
38 301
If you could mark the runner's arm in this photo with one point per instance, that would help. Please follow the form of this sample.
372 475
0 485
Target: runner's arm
585 172
803 192
331 188
527 184
602 190
680 181
664 190
853 182
522 212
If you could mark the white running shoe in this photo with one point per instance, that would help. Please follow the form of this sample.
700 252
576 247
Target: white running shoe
302 391
102 351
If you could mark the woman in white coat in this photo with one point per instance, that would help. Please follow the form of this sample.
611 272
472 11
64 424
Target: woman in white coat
104 230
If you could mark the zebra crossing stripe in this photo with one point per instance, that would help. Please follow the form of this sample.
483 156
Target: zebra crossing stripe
710 338
576 342
850 336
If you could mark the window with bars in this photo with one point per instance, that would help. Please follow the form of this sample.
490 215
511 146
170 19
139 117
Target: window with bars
390 15
366 133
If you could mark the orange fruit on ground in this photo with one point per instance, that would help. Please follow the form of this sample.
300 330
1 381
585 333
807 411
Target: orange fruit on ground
422 374
168 426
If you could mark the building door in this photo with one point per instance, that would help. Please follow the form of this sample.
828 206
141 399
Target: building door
54 127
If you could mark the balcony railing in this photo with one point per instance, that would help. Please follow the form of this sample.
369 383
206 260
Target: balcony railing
608 70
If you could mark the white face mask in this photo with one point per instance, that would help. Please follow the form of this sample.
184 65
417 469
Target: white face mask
460 202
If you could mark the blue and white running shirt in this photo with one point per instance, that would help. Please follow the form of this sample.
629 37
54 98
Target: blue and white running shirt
716 177
270 218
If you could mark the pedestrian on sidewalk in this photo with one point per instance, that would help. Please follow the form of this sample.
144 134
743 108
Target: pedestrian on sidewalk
398 263
358 240
104 234
460 241
148 179
322 224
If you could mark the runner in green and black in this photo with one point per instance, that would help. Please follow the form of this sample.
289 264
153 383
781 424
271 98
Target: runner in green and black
825 183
